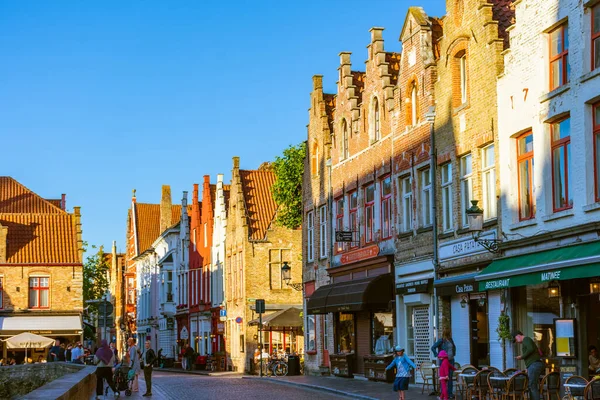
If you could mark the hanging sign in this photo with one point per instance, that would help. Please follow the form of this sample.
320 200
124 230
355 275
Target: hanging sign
184 334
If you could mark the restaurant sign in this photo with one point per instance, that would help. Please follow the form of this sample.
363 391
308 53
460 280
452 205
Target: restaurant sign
418 286
463 247
536 278
360 254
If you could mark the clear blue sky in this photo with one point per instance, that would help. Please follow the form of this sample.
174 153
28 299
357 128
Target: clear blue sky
98 98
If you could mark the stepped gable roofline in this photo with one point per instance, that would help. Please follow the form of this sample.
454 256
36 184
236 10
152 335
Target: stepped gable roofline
358 80
393 60
260 205
17 198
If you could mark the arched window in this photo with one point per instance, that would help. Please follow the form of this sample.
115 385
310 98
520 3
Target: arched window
345 151
412 106
376 133
314 159
460 89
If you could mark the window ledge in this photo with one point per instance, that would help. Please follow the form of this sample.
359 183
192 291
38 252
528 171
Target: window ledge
490 222
590 75
446 235
403 235
523 224
462 231
425 229
558 215
592 207
460 108
556 92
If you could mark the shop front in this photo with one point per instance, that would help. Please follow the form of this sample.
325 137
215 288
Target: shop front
554 298
361 301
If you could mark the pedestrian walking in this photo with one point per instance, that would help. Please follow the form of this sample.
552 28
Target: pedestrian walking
445 374
148 358
446 343
533 362
134 363
403 365
105 361
189 357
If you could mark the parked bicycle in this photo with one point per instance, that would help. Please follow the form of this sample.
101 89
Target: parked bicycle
275 367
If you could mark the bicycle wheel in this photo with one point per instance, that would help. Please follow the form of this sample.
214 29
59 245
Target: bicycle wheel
280 369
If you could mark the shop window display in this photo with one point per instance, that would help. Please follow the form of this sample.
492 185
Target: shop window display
383 332
345 333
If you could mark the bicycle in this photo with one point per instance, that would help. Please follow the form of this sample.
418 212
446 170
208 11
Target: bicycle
275 368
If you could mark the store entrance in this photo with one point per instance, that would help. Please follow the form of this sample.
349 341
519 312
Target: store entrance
480 338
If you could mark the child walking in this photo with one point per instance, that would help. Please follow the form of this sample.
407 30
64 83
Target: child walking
403 366
444 372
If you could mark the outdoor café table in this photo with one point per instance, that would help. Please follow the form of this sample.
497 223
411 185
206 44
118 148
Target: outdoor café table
499 382
467 379
434 368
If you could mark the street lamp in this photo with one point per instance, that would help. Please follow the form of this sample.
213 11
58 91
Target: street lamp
464 302
475 220
286 274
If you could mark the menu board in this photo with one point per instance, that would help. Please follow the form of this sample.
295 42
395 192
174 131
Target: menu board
565 338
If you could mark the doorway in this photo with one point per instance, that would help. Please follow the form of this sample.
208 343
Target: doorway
480 335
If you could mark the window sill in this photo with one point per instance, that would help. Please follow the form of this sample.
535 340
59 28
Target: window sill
490 222
425 229
523 224
462 231
404 235
446 235
460 108
558 215
592 207
590 75
556 92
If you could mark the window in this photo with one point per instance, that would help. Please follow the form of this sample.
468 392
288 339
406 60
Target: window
310 236
242 343
311 334
369 213
325 333
406 185
596 36
446 172
205 236
345 151
559 56
525 171
339 222
39 288
353 209
466 186
561 153
488 181
413 104
426 204
596 123
276 259
195 239
323 232
386 208
1 294
463 78
376 134
314 160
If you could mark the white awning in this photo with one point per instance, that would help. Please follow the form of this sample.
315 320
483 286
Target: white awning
41 325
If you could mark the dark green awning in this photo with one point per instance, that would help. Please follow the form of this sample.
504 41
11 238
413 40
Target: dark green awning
569 262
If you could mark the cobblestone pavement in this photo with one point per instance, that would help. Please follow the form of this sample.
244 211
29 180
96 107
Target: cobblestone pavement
181 386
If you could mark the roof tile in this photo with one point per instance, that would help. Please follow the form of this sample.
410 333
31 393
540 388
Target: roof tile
16 198
260 205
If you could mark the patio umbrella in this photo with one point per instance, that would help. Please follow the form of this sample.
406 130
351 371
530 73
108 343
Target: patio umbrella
28 340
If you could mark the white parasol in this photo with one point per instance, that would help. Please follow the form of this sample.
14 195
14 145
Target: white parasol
27 340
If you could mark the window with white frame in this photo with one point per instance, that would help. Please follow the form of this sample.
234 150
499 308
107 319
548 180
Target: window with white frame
310 236
325 332
466 186
488 182
406 187
323 232
311 333
339 222
447 214
386 208
39 292
353 214
463 78
426 200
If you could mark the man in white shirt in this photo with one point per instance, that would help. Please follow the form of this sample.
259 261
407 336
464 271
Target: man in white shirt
77 354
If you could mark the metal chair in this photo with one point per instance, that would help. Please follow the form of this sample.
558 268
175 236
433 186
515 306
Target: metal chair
517 387
550 386
426 375
592 390
510 371
464 384
480 387
576 392
496 387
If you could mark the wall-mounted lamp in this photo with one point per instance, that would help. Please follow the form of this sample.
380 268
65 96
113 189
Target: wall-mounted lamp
595 286
481 301
475 220
553 289
464 302
286 274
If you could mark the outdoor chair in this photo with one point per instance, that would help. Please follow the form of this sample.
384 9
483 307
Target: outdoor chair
550 386
517 387
464 384
576 392
426 375
496 387
480 388
510 371
592 390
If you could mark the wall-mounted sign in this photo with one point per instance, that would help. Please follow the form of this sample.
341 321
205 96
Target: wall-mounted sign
238 320
222 312
457 287
170 323
463 247
565 338
220 328
360 254
410 287
184 334
343 236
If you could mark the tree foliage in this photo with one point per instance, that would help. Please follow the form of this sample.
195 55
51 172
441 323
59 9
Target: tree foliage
287 189
95 277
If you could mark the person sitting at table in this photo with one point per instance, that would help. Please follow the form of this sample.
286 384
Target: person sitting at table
594 360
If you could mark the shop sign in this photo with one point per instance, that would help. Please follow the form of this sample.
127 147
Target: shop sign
459 288
463 247
184 334
360 254
419 286
536 278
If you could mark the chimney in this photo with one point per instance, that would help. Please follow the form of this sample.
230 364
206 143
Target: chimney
133 199
77 214
317 82
63 202
236 162
165 209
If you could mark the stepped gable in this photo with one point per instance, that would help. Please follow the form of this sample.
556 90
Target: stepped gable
393 61
16 198
358 80
260 205
329 100
503 11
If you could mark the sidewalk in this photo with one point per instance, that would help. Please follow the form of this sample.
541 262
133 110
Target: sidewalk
355 388
206 373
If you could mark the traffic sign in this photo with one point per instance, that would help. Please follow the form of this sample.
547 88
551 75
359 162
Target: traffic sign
222 312
239 320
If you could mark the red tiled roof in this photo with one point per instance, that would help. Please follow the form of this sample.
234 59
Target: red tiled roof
16 198
260 206
503 11
147 217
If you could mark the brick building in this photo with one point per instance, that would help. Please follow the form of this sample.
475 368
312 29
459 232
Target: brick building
41 270
116 262
255 251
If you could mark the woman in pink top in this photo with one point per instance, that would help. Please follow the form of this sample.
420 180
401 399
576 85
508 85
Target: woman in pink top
444 373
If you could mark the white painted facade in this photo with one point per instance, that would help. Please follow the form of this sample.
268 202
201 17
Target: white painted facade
217 266
147 310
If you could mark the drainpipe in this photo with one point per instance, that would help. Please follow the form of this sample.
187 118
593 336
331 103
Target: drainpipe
328 164
430 117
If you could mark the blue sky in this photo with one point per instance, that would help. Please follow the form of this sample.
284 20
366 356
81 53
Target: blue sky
99 98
